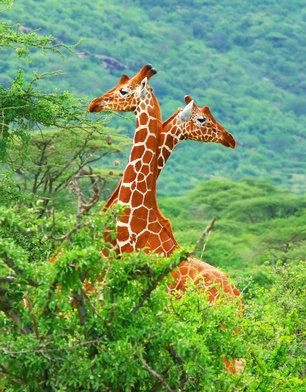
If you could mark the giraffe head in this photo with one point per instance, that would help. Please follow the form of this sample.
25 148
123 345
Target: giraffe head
125 97
200 125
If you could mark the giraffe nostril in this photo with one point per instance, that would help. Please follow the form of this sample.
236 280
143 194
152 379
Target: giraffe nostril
231 136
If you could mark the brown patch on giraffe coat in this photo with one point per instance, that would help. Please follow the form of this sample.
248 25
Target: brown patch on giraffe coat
170 142
140 178
137 198
151 142
124 218
143 119
142 186
152 125
160 161
152 217
140 136
126 195
168 246
147 199
139 223
163 235
138 153
145 169
123 233
128 248
138 166
147 157
129 175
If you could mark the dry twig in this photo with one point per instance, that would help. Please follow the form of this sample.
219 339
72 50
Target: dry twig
203 235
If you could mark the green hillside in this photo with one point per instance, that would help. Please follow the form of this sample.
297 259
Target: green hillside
245 60
256 222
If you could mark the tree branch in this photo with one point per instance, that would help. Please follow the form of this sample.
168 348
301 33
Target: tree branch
147 292
158 383
203 235
178 361
156 375
10 263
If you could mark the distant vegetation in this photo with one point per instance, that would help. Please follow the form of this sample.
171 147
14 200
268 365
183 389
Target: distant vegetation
243 59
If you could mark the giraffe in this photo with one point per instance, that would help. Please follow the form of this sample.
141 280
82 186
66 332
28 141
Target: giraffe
138 186
191 123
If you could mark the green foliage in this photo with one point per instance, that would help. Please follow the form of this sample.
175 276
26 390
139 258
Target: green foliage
122 330
285 338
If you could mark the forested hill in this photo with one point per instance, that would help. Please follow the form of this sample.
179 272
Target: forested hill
245 60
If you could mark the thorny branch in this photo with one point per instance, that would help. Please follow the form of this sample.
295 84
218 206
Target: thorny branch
44 350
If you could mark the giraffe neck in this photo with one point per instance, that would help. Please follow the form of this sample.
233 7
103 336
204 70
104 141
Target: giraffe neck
171 135
138 188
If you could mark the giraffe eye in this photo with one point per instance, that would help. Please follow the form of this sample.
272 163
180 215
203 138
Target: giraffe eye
123 92
201 120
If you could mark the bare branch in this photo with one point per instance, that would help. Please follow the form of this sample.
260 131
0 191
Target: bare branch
8 279
243 290
44 350
281 383
203 235
78 301
51 290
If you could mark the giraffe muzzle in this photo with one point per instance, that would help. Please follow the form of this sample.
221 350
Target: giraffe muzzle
97 105
228 140
94 106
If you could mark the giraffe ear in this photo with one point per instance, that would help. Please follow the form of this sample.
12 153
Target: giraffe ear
143 87
186 113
